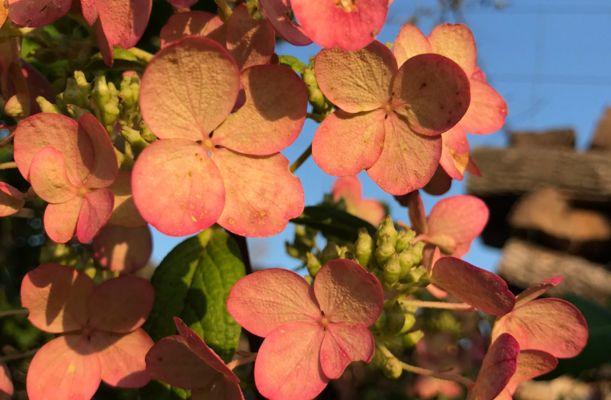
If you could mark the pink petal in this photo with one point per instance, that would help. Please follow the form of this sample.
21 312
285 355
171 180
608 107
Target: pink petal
461 218
416 212
122 357
11 200
498 367
123 249
456 42
551 325
198 23
431 92
440 183
483 290
342 345
105 166
121 305
269 120
278 13
177 188
265 300
36 13
408 160
347 293
95 213
331 24
410 42
60 220
224 390
56 298
538 290
345 144
6 385
262 194
182 3
250 41
531 364
172 109
288 365
124 212
356 81
58 131
487 110
349 189
64 368
89 11
106 48
455 157
3 17
124 21
49 177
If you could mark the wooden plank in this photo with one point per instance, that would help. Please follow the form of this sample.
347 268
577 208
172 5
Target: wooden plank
524 264
585 177
602 135
563 138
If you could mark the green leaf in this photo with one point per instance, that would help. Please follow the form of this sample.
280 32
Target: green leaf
333 222
161 391
193 283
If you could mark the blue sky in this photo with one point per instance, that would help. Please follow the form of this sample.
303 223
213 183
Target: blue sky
550 59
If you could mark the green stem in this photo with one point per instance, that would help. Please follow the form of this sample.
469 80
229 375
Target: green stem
11 313
301 159
233 364
141 55
8 165
448 376
438 305
19 356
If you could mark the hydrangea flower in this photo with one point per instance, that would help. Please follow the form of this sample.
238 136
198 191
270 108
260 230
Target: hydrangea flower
311 333
388 119
70 165
551 325
487 110
345 24
185 361
483 290
182 3
279 12
101 338
6 385
349 189
211 165
530 364
498 367
250 41
125 244
11 200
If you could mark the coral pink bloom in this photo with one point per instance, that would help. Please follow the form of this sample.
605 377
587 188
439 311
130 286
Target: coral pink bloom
311 333
348 188
70 165
454 223
278 12
182 3
530 364
250 41
551 325
481 289
6 385
185 361
36 13
11 200
125 244
498 367
346 24
211 164
102 339
487 110
389 119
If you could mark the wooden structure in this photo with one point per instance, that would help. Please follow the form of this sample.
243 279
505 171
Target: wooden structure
550 208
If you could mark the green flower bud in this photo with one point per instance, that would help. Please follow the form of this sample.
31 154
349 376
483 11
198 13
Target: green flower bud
387 228
77 91
46 106
15 107
417 275
399 321
133 137
364 247
404 239
130 91
106 98
412 338
385 248
313 264
392 368
392 270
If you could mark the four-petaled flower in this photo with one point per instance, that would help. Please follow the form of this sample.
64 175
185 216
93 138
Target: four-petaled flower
311 333
349 189
186 361
487 109
389 119
101 336
211 165
70 165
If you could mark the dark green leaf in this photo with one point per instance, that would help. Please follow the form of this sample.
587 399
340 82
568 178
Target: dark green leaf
333 222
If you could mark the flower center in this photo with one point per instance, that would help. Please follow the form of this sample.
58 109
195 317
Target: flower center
324 322
347 5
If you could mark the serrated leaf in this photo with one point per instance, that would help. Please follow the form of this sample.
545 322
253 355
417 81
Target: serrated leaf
192 283
333 222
